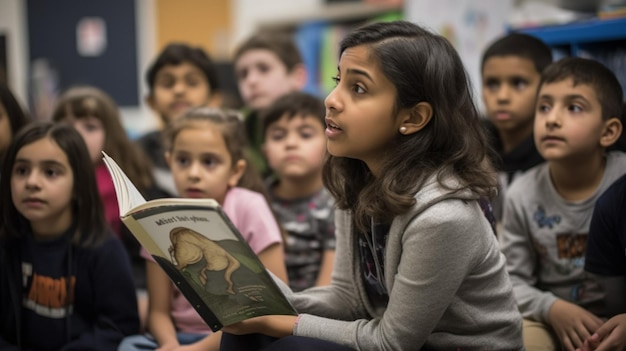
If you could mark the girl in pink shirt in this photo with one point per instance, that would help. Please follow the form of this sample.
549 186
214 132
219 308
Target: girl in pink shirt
206 156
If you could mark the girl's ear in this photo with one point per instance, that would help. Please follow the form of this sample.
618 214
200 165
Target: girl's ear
416 118
238 171
612 131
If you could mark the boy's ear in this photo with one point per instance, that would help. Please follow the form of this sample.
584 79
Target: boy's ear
612 131
416 118
149 99
168 159
298 76
238 171
216 99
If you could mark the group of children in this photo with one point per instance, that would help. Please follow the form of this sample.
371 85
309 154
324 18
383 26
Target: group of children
365 185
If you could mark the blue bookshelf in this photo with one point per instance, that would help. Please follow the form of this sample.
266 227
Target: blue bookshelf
600 39
578 34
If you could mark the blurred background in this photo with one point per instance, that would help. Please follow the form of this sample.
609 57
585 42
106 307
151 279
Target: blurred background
47 46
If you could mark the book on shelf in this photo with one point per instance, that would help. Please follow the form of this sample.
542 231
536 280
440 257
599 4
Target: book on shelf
202 252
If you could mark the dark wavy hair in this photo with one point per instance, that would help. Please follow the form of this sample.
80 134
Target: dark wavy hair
423 67
85 101
88 211
17 116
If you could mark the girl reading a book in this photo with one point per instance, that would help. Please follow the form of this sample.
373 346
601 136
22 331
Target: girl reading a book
206 153
417 265
65 280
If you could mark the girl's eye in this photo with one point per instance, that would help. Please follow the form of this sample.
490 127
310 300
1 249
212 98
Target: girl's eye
358 89
209 162
335 79
182 161
51 172
20 170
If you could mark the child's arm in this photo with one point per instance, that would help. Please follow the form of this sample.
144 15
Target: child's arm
114 299
160 323
273 258
572 323
328 245
610 336
210 343
522 258
326 268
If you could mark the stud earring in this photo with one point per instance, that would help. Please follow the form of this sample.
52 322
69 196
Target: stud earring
402 130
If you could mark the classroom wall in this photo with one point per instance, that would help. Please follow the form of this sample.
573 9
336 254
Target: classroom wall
197 22
13 26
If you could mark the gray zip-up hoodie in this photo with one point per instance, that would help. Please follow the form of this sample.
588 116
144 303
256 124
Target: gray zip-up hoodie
446 278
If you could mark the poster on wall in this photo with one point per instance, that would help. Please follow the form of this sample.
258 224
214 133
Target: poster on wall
91 36
470 25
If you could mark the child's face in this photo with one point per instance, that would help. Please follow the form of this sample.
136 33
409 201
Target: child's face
41 187
178 88
262 78
5 130
359 118
568 123
201 164
295 147
93 133
509 88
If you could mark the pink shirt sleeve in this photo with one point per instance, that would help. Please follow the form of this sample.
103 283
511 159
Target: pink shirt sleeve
251 214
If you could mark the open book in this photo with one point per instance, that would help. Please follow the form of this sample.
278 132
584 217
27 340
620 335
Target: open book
202 252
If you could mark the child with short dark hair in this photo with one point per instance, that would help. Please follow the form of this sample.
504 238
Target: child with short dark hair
181 77
511 70
267 65
65 280
295 147
548 209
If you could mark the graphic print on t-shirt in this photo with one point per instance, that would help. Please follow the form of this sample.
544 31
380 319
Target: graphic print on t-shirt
45 295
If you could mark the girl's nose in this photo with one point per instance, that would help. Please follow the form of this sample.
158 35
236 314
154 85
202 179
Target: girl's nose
194 170
33 179
333 101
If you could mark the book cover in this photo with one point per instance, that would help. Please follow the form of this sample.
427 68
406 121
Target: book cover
202 252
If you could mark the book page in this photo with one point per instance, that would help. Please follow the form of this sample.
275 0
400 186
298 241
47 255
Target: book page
200 246
128 197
